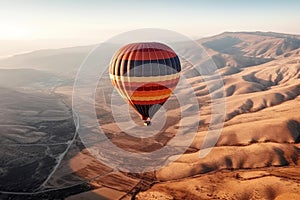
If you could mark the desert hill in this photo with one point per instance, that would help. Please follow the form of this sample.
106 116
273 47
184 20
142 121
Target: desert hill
256 156
259 143
243 49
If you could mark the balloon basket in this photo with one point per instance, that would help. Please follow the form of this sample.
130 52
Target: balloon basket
147 123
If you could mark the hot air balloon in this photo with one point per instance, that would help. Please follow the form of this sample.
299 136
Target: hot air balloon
145 74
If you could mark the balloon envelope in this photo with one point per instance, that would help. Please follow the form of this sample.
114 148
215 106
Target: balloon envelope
145 74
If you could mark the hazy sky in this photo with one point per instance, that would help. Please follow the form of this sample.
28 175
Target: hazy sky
58 23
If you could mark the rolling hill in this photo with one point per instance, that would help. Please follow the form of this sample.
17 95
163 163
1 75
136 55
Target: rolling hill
258 149
257 154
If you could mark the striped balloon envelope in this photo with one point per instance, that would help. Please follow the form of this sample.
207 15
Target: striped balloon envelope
145 74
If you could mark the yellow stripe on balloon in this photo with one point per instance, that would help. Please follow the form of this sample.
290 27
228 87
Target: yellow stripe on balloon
152 93
145 98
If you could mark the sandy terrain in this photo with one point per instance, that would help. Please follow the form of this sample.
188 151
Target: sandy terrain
259 141
257 154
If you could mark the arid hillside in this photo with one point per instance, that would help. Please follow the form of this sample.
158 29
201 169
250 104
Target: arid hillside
256 156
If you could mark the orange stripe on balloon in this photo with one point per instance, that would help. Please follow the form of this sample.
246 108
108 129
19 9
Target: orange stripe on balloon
149 102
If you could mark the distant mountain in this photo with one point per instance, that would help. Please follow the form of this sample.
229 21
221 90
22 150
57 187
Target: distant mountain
230 50
233 49
243 49
30 78
255 44
59 61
